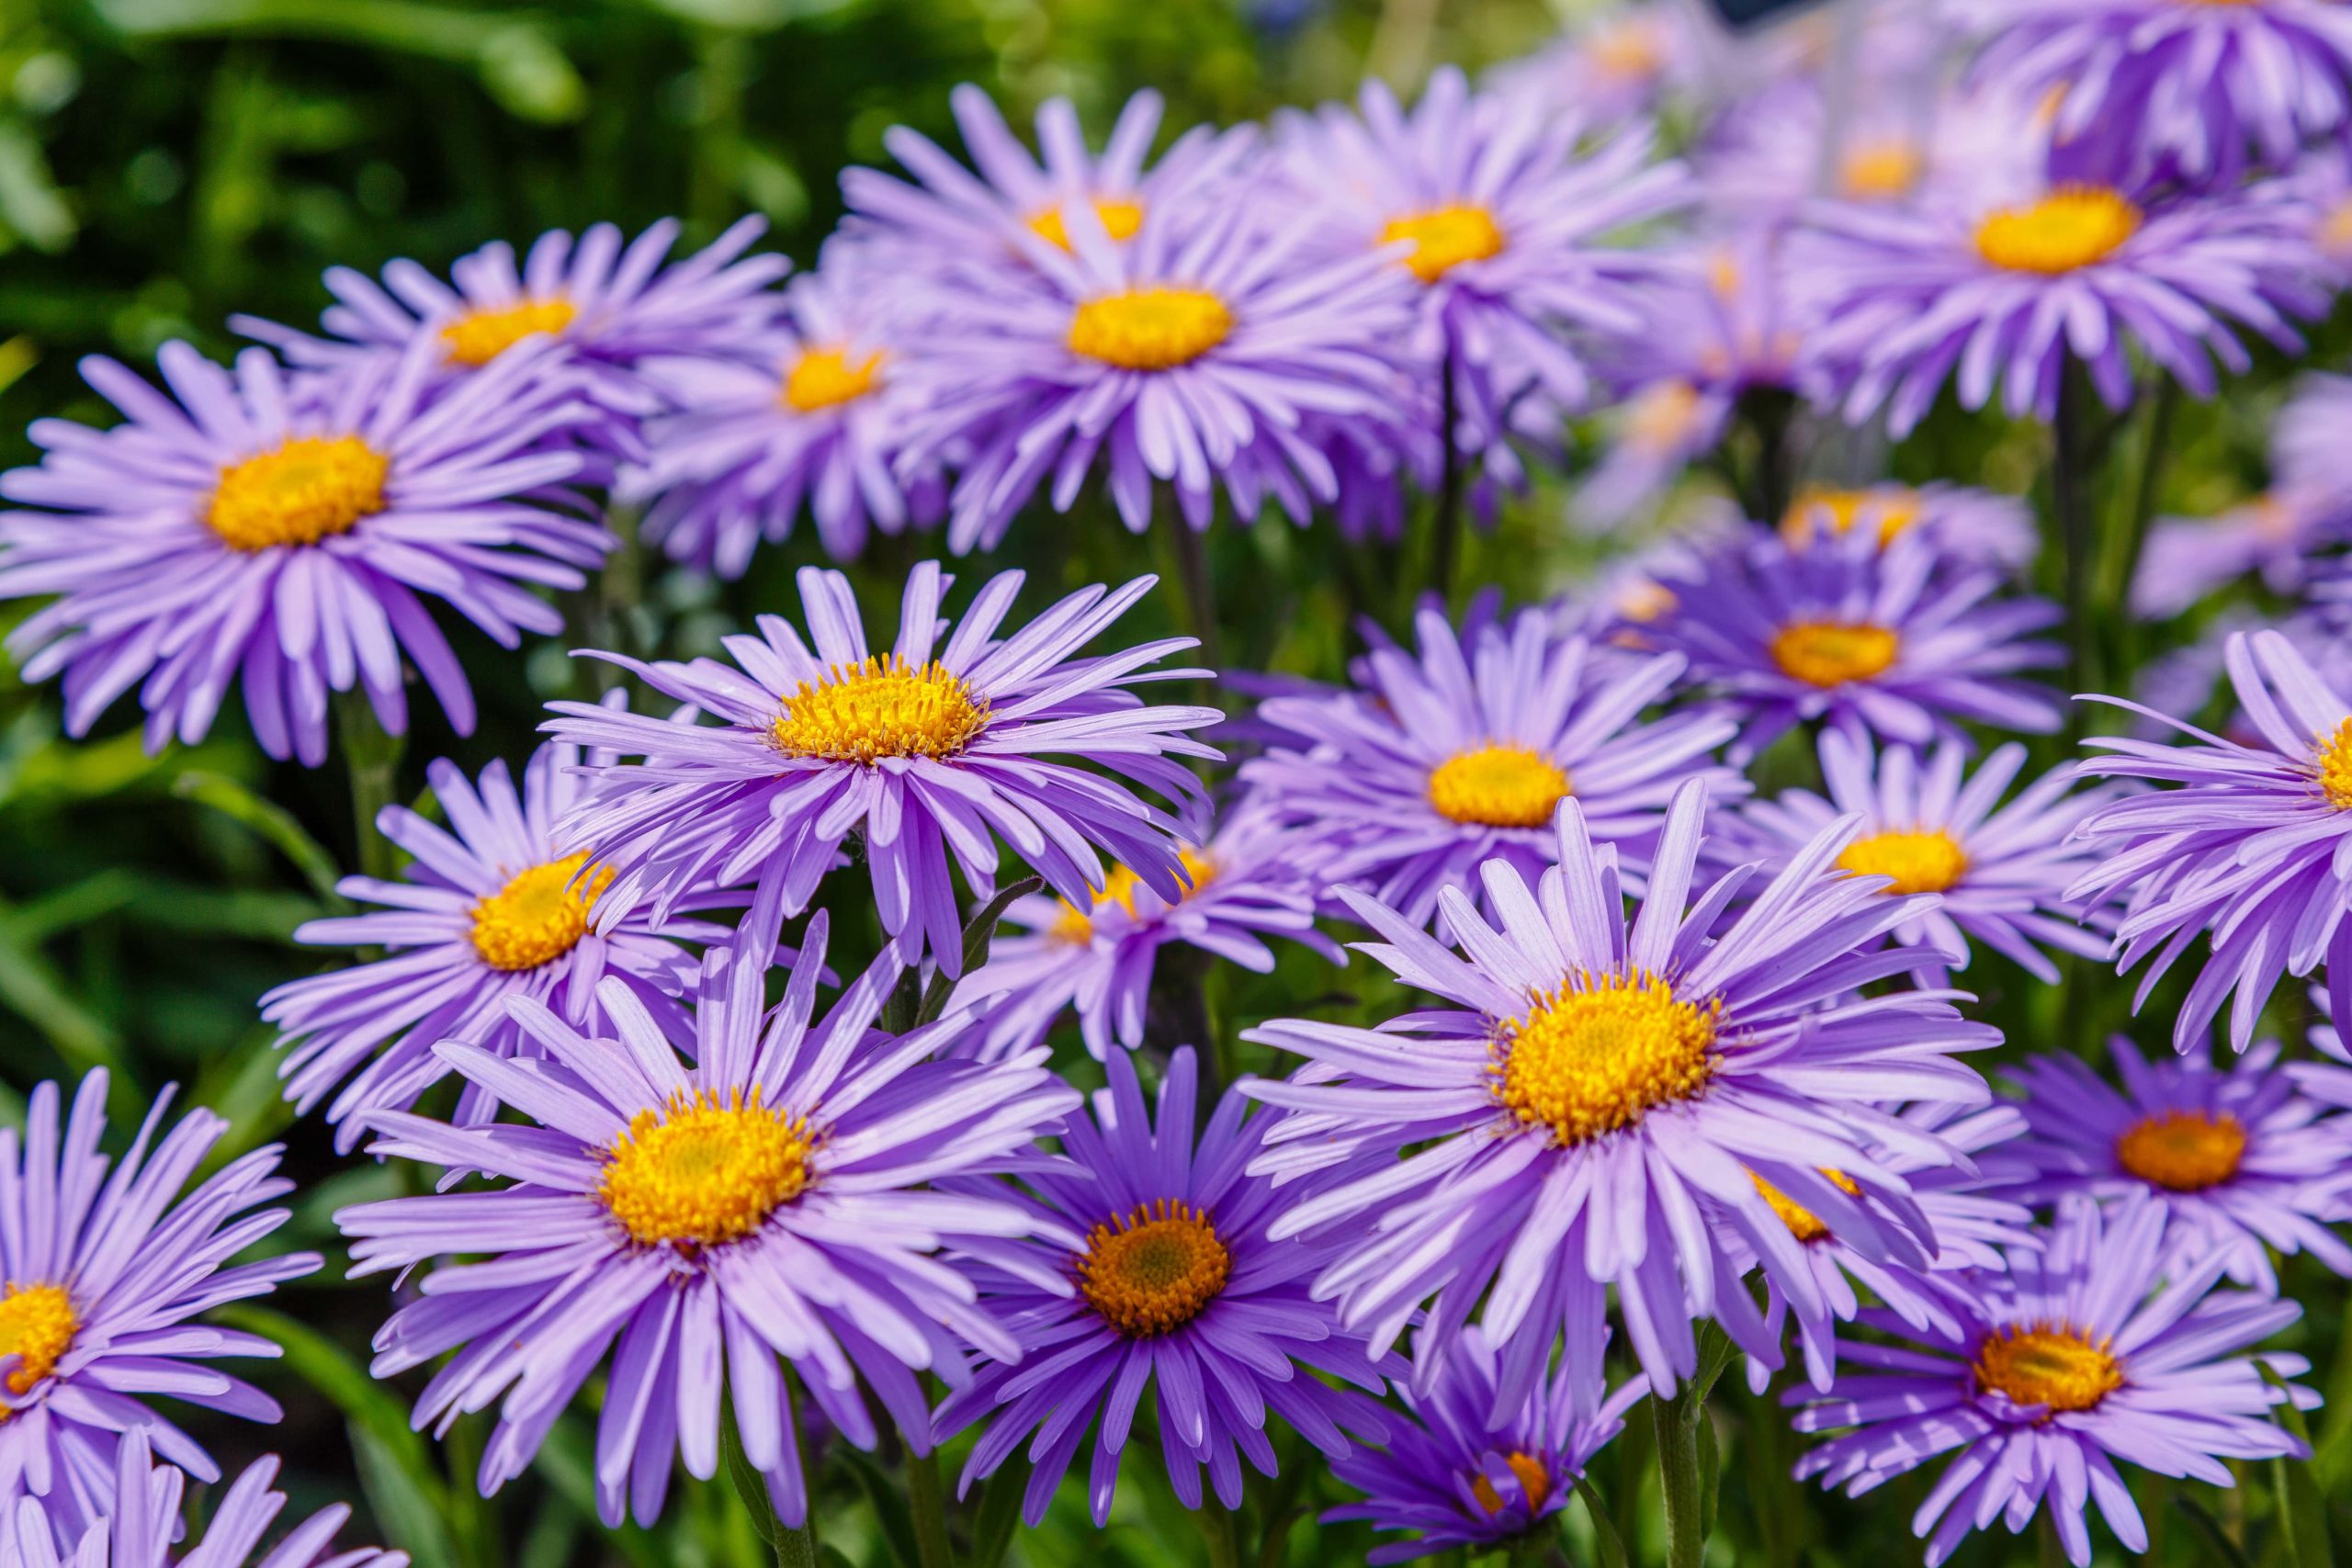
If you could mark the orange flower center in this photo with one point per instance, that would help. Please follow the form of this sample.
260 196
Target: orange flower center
1154 1270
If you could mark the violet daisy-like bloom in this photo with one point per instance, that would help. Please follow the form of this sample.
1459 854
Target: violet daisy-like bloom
1962 525
806 420
248 529
2242 1160
1438 764
1627 61
1595 1094
1887 641
1929 825
2275 533
2249 852
2066 1361
490 908
105 1278
1458 1476
925 750
603 306
144 1525
1250 879
1983 293
773 1199
1154 1268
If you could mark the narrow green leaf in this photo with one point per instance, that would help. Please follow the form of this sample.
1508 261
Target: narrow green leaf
270 821
326 1368
999 1512
566 1462
2303 1507
411 1519
978 932
890 1510
1711 1473
2209 1530
1608 1546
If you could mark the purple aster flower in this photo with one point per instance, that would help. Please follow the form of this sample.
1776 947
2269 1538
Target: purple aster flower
2070 1359
2309 455
2240 1160
2249 851
607 307
773 1199
1250 879
1961 524
145 1523
283 533
1627 61
1600 1100
922 750
2275 535
490 908
808 418
1889 641
1154 1268
1903 301
1458 1476
1930 826
104 1280
2154 89
1439 764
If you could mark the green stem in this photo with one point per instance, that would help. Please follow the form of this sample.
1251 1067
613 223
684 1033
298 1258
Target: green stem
1677 1422
928 1503
1448 527
372 758
2120 553
2069 485
1222 1530
1199 585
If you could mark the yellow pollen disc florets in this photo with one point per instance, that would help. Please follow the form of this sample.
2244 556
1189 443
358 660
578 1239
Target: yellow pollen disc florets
1879 171
1926 861
2334 765
1150 328
702 1170
1830 653
539 915
1499 786
2047 1364
827 377
479 336
1594 1055
1154 1270
1625 52
1533 1479
37 1324
1444 237
1120 218
306 489
2183 1151
1802 1223
1077 925
2070 228
883 707
1885 510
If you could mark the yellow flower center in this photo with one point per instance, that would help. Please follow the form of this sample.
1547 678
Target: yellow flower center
37 1324
2047 1364
1662 416
309 488
1830 653
828 377
1594 1055
1151 329
1927 861
2071 227
702 1171
1820 510
539 915
1879 171
2334 763
1153 1270
882 707
2183 1151
479 336
1625 52
1534 1480
1444 237
1643 601
1802 1223
1120 218
1499 786
1076 926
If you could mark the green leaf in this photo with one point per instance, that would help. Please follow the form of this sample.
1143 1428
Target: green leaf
978 932
999 1512
405 1509
890 1508
243 1087
1608 1546
1711 1472
566 1462
324 1367
2303 1507
2209 1530
271 822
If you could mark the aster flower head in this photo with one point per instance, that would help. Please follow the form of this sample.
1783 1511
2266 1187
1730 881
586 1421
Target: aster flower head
2277 534
1153 1268
248 529
2309 457
2246 853
925 750
807 419
773 1199
1931 825
1964 526
1252 878
2068 1361
105 1278
598 306
2241 1159
144 1522
1890 641
2007 290
1629 60
1458 1476
1440 763
1599 1090
490 907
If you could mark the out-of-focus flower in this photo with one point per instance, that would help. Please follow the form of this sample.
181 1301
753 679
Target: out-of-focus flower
1961 523
1630 60
2275 533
